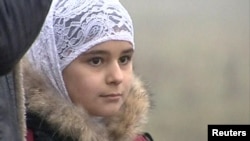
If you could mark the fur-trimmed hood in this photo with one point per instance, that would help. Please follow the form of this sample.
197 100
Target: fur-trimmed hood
74 121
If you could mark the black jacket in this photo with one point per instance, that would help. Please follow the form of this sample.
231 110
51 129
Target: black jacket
20 23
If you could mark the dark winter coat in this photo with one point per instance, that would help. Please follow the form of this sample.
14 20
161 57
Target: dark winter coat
20 23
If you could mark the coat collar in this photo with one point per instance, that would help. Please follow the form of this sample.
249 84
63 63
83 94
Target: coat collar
74 121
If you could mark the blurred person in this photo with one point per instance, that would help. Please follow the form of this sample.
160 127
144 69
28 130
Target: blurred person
20 23
78 75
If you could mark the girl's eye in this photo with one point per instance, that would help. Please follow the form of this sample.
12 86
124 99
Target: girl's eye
124 60
96 61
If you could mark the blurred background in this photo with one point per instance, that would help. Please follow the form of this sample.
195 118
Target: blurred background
194 57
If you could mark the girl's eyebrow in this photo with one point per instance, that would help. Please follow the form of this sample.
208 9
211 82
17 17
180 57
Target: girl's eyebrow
130 50
95 52
104 52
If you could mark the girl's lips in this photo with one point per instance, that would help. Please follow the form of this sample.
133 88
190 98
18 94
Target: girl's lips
112 97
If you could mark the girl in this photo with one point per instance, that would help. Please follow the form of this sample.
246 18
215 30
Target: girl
79 82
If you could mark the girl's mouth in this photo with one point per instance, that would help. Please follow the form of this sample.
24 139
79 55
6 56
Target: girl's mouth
112 96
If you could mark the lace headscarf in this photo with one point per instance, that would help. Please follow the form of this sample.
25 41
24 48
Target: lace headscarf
71 28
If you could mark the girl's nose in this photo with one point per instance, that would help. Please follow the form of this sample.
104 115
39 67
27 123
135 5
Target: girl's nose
114 74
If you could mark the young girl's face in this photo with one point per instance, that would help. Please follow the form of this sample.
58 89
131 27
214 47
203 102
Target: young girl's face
99 79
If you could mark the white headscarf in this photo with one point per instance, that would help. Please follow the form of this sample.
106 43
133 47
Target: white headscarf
71 28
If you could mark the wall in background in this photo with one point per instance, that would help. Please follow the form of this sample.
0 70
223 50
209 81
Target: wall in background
194 56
